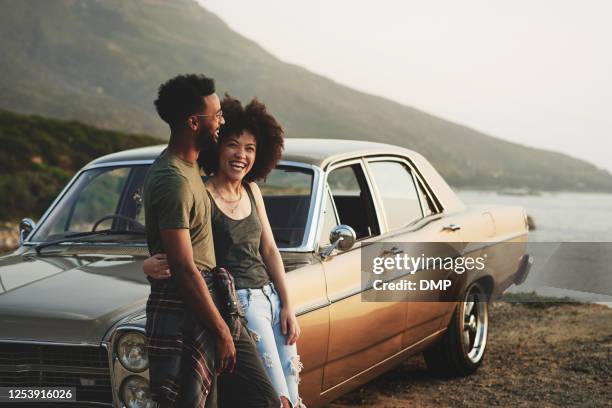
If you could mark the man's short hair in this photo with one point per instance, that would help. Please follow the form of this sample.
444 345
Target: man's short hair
182 96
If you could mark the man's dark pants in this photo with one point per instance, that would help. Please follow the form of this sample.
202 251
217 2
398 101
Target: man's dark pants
247 386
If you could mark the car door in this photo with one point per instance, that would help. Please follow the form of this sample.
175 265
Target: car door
361 334
289 192
410 214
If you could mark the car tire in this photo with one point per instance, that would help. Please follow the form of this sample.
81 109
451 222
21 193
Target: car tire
462 347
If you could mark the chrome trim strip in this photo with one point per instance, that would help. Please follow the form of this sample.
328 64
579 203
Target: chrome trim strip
428 190
136 316
119 164
417 189
396 355
485 245
412 227
511 237
300 249
315 210
93 244
347 293
381 214
76 404
312 308
325 195
139 329
384 151
50 343
24 368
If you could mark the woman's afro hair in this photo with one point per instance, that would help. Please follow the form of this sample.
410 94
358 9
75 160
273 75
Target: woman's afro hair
254 118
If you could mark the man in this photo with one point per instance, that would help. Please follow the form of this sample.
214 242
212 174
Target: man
189 342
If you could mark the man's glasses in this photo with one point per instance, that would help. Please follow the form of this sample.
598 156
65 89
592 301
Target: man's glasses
217 115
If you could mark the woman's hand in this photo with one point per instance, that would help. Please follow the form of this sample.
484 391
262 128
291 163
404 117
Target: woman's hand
157 267
289 326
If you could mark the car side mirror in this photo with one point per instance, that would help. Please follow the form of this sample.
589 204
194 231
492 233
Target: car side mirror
25 227
342 237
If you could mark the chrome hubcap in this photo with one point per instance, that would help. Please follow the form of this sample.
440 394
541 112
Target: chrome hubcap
475 323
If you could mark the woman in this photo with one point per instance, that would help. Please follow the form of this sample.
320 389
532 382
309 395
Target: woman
249 146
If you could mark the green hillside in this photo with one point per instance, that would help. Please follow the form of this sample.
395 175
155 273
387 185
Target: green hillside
100 62
39 155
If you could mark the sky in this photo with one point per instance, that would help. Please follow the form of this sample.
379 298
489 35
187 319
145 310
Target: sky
534 72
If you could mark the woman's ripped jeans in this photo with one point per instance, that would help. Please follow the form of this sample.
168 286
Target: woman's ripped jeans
262 309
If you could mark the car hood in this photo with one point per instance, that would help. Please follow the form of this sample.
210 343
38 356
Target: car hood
68 298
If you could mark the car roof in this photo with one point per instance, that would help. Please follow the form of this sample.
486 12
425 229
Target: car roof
317 152
321 153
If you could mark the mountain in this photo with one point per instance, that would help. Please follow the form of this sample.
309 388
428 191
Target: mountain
101 61
39 155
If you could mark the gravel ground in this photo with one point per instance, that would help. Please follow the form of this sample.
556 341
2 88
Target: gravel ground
539 355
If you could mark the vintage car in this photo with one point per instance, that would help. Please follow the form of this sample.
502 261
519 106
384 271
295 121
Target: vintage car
72 296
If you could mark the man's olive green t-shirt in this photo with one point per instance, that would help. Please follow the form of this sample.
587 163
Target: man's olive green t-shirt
175 197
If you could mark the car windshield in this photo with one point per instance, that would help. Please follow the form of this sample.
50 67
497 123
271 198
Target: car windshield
106 198
110 199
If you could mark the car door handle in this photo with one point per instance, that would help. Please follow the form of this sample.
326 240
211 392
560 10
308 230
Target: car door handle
393 251
451 227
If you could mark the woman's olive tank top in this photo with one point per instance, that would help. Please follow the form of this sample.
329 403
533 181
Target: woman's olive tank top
237 245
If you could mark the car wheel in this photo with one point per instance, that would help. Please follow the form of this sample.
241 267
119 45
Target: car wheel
461 349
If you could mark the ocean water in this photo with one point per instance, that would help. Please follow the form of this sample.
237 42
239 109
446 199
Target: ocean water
571 245
558 217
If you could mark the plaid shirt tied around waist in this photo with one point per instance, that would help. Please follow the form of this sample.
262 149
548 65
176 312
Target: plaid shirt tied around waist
181 349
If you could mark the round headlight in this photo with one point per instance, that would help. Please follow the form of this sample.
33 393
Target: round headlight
135 393
132 352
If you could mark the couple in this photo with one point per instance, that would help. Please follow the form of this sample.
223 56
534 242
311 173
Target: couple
196 335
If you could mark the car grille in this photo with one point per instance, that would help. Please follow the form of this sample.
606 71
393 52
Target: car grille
34 365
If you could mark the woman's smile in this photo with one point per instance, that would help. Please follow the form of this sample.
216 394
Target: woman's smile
238 165
237 155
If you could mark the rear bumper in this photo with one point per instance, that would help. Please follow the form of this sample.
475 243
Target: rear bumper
523 270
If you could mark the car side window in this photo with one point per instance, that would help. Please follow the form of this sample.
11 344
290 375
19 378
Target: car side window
397 191
353 200
286 193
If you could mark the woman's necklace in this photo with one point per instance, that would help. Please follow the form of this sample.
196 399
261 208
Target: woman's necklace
236 202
